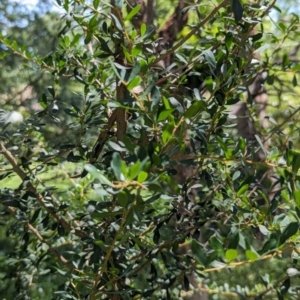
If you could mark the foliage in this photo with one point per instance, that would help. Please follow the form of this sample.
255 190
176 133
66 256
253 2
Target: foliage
169 190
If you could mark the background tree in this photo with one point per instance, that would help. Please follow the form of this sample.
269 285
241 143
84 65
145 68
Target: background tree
131 156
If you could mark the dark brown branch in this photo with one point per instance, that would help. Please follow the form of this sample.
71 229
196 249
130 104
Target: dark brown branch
151 12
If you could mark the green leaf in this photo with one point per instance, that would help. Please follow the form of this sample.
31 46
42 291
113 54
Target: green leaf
233 238
96 3
96 174
242 190
43 100
270 245
177 104
114 68
285 286
237 10
186 283
142 176
116 22
198 252
236 175
93 22
297 198
134 170
135 71
148 32
2 176
256 37
116 146
76 38
88 38
296 162
155 97
164 114
133 83
116 164
122 199
295 83
252 255
217 245
196 107
51 91
289 231
231 254
167 133
210 58
263 229
132 13
143 29
260 144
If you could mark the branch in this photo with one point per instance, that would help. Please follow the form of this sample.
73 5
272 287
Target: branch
60 257
17 169
190 34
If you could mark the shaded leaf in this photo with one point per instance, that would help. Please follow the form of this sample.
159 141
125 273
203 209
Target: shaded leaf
289 231
116 165
198 252
116 22
237 10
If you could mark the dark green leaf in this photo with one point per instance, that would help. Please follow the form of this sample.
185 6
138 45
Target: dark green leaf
196 107
155 97
186 283
5 175
289 231
156 237
295 82
198 252
256 37
270 245
233 239
285 286
237 10
135 71
279 296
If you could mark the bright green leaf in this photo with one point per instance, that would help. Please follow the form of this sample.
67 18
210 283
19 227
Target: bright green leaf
142 176
133 12
231 254
251 255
